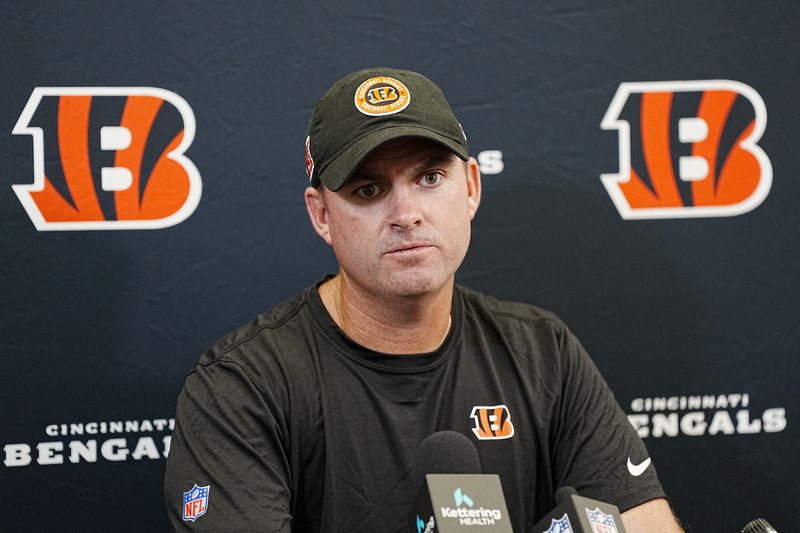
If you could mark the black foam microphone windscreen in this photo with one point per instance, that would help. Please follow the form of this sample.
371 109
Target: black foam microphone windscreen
447 452
563 493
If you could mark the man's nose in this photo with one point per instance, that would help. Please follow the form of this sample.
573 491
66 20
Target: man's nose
405 208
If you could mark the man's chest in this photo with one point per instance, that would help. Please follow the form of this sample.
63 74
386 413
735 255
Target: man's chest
374 420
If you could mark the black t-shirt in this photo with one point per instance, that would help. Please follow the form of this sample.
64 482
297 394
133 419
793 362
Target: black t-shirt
292 426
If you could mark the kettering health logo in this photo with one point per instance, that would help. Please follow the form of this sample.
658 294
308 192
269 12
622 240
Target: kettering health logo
422 527
462 499
467 515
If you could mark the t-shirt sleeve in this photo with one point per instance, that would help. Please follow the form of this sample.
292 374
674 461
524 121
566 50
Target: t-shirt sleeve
227 468
594 439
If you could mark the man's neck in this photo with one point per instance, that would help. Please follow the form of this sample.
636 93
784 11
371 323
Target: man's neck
401 325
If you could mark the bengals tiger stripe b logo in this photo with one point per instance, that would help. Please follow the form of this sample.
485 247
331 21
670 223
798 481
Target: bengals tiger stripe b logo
108 158
688 149
492 422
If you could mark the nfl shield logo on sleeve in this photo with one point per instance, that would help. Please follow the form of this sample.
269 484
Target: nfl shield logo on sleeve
195 503
601 522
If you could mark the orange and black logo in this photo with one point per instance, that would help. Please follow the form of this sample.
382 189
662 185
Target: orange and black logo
108 158
688 149
382 95
492 422
309 159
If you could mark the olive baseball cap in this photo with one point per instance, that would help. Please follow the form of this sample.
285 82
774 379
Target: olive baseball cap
368 108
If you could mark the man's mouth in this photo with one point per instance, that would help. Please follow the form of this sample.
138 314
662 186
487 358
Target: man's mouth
408 248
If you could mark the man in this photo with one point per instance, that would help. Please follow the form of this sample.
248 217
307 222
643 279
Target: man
309 418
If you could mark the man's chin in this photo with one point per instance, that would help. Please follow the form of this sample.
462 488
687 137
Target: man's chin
416 286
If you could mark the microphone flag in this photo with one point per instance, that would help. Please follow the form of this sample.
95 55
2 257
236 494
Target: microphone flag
455 503
576 514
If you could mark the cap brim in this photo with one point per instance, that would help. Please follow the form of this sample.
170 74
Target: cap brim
338 171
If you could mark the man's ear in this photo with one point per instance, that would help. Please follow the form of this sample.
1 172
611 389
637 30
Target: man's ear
318 212
473 186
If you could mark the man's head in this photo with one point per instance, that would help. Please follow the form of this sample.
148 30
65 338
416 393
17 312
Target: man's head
393 192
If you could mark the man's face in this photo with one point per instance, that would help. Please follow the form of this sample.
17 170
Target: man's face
401 225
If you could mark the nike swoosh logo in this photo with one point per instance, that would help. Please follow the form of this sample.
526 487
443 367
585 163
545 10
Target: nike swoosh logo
638 470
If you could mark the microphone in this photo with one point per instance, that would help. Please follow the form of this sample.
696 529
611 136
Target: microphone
759 525
563 493
447 452
578 514
455 496
443 452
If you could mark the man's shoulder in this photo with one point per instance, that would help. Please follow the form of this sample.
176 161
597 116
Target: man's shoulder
535 338
265 335
481 303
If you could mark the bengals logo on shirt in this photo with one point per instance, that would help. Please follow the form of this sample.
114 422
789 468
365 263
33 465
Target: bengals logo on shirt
688 149
492 422
108 158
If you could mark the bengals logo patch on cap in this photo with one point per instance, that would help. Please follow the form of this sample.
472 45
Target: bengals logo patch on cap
382 95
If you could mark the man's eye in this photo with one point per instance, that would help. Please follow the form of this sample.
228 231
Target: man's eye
367 191
432 178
